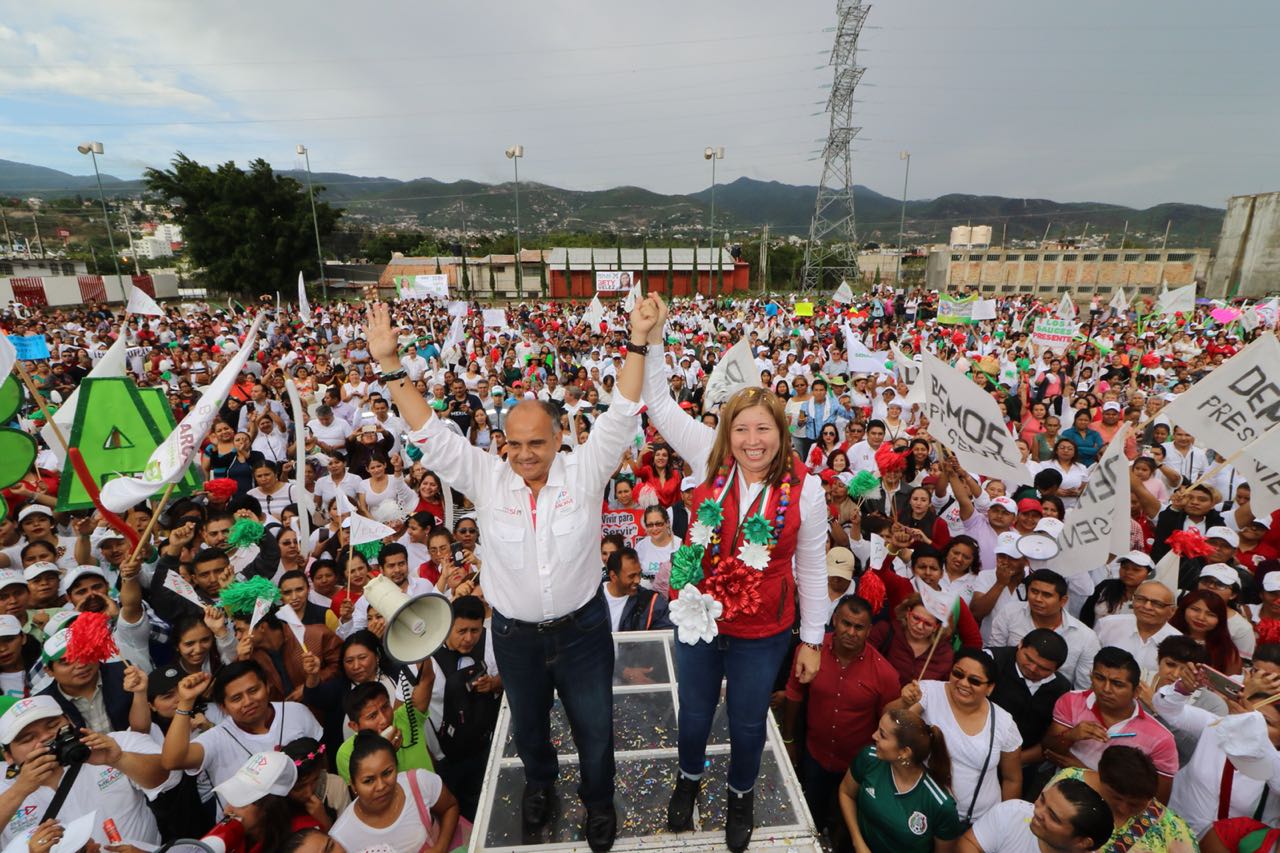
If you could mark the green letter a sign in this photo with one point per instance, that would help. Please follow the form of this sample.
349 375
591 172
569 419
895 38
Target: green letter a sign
117 427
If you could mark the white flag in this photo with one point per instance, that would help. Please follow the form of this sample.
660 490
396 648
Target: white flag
861 359
365 530
286 615
736 370
260 608
305 500
1172 301
454 337
1120 302
1259 465
1100 525
8 357
304 307
457 308
1066 308
341 505
1249 318
843 294
141 303
966 419
594 314
176 453
633 296
939 604
1236 403
984 309
495 317
175 582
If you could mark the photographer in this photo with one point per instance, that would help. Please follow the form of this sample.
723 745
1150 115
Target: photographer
115 774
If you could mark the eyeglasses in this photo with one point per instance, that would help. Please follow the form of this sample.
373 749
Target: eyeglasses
923 621
1150 602
961 675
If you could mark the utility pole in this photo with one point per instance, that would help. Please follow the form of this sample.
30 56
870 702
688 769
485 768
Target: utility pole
8 240
128 232
1165 242
35 221
764 260
1045 238
1124 235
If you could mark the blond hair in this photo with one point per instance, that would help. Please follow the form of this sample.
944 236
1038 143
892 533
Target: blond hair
745 399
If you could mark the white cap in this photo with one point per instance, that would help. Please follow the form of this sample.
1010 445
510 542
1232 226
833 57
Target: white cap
1226 534
1222 573
1138 558
34 509
8 577
689 483
70 578
262 774
103 534
11 627
1271 582
1111 406
35 570
1007 544
1005 503
1263 521
23 713
60 620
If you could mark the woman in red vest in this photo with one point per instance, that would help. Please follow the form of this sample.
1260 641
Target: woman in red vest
757 537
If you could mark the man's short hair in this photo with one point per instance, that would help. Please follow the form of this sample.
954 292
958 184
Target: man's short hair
362 694
1128 771
208 555
1049 576
855 604
1093 819
1183 649
614 565
1114 657
1046 643
393 549
324 411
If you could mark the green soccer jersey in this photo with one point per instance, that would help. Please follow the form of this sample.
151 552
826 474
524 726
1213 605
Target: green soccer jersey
414 757
906 822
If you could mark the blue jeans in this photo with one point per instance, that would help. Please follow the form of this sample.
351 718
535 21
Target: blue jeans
576 661
751 668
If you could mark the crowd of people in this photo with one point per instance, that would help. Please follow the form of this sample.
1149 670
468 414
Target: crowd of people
805 537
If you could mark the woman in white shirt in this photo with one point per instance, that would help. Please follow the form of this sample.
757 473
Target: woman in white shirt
355 389
655 550
273 494
381 486
1073 473
401 812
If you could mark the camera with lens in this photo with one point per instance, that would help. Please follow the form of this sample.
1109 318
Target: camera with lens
67 748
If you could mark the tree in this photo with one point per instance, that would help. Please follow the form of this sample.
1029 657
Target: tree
249 230
671 265
568 276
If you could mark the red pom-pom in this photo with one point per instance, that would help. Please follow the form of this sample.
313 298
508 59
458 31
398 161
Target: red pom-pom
1189 543
1151 360
871 589
959 338
1268 631
221 489
89 639
888 459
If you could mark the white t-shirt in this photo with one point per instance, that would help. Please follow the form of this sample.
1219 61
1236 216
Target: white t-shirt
616 606
226 745
15 683
405 835
436 710
104 789
1006 828
969 751
655 563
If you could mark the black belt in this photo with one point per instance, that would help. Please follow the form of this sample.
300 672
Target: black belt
559 621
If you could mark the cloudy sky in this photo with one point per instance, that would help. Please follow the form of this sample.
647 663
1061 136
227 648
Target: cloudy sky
1133 103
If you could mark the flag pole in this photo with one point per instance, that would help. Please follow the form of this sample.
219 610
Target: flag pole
151 525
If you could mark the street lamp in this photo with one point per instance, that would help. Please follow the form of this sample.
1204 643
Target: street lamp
93 149
315 223
514 153
902 218
712 154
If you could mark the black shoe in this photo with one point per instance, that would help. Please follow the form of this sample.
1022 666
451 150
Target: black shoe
738 823
601 828
680 809
536 805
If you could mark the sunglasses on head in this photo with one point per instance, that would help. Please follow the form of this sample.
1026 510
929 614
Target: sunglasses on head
961 675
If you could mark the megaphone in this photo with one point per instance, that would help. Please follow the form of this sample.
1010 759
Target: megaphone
416 626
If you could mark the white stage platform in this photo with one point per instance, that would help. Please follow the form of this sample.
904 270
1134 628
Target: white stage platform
645 741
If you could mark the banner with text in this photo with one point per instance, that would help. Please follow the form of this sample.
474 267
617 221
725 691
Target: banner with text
968 421
954 310
628 523
612 281
1054 333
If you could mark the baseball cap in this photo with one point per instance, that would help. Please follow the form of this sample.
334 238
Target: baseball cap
1111 406
70 578
8 577
1007 544
161 681
1226 534
35 570
689 483
262 774
1004 503
34 509
10 626
25 712
1263 521
1030 505
1138 558
1222 573
1271 582
839 563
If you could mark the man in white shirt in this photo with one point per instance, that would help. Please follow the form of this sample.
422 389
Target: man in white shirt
1069 817
1046 607
331 433
121 774
1183 456
1140 632
414 364
538 512
338 478
393 561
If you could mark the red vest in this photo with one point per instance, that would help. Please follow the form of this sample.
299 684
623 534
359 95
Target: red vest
777 592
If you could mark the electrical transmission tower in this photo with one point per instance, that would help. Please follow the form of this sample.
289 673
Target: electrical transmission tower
832 253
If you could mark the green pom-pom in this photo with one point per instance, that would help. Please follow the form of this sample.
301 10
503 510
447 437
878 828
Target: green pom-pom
710 513
245 532
240 598
686 566
863 484
757 530
413 452
1024 364
999 335
369 550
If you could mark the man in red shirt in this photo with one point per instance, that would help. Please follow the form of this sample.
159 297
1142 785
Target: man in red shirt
1253 550
845 702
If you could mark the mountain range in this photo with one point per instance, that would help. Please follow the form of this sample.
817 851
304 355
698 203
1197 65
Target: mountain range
742 205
